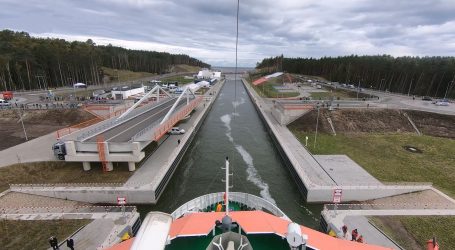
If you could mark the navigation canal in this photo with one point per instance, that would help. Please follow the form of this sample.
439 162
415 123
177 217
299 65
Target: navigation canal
255 163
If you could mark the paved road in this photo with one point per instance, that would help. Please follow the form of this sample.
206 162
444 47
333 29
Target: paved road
126 130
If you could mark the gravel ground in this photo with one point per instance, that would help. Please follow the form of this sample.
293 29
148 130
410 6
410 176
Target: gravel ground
418 200
15 200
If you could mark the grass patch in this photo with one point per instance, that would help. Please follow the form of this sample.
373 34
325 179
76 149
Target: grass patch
336 94
418 230
20 234
60 172
383 156
124 75
267 89
180 79
185 68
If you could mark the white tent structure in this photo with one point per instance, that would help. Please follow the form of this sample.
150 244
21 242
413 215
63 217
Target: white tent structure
204 74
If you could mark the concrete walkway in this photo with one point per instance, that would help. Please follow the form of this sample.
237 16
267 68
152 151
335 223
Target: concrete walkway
36 150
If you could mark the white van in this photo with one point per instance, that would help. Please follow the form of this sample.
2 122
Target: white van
4 103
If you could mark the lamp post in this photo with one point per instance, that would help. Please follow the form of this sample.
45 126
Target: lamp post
447 90
317 125
358 88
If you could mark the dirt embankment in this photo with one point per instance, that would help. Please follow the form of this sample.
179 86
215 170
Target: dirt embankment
434 124
378 121
36 123
354 121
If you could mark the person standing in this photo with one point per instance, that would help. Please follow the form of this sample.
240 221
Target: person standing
345 232
70 243
54 243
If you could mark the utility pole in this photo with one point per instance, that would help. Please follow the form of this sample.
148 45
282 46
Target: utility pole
358 89
449 86
409 90
317 125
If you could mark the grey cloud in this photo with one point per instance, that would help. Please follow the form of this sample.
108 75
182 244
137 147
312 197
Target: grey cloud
206 29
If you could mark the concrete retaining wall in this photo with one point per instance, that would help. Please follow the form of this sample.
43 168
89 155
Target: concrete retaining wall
91 194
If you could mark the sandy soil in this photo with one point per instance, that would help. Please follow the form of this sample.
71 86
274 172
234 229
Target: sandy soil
417 200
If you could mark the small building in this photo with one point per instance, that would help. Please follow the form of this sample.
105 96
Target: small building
126 93
204 74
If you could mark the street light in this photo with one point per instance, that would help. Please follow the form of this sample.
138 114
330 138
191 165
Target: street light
317 125
358 89
447 90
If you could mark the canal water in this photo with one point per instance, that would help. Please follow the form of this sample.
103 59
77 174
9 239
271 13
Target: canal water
234 129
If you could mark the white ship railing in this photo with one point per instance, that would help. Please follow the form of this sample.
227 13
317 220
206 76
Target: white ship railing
202 202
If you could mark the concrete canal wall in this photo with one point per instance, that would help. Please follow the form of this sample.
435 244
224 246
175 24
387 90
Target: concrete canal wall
313 181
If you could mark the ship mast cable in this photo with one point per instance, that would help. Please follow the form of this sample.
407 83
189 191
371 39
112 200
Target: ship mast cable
235 87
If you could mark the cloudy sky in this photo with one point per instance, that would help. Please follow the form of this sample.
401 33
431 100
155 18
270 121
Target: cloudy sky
205 29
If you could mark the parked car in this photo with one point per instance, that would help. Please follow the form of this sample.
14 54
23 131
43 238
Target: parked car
4 103
426 98
176 131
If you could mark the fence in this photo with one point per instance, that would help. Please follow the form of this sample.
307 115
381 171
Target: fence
68 130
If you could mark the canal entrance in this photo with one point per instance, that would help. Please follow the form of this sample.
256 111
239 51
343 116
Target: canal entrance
234 129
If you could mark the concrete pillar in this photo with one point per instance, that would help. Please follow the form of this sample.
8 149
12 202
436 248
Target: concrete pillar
131 166
86 165
109 166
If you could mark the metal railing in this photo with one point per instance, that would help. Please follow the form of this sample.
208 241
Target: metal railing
202 202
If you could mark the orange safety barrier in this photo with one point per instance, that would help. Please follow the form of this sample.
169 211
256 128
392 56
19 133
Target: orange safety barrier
100 144
68 130
164 128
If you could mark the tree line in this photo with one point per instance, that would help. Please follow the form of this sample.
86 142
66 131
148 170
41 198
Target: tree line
31 63
424 76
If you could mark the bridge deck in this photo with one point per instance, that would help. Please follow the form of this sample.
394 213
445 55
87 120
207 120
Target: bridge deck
124 131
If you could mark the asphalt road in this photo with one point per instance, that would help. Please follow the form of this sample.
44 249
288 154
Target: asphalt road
126 130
